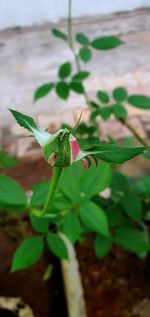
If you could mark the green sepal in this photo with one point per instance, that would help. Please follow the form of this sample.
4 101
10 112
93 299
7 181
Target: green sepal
111 153
60 146
28 123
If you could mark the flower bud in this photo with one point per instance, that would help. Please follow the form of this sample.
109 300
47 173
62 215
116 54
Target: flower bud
62 149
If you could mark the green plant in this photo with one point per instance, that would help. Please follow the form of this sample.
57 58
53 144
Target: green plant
7 160
105 105
70 202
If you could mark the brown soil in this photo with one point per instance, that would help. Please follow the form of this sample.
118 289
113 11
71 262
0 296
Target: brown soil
45 298
30 172
114 285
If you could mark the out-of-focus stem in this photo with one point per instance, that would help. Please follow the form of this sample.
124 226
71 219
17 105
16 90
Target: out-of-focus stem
71 45
134 132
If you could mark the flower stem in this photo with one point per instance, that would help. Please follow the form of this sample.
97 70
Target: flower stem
52 188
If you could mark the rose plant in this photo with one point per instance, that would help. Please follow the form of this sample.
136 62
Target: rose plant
105 105
71 202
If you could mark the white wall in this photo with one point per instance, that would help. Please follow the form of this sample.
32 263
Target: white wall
28 12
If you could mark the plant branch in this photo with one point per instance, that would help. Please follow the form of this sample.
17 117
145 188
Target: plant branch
70 42
134 132
77 62
70 37
71 45
52 188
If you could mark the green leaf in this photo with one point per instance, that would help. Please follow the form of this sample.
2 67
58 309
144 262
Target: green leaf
71 227
39 224
62 90
64 70
24 121
66 126
57 245
102 96
132 239
115 214
11 193
95 179
28 253
7 160
39 194
82 75
76 183
146 183
29 124
43 90
105 113
59 34
77 87
85 54
119 182
147 155
110 153
111 156
83 128
60 203
119 111
139 101
82 39
69 183
94 115
120 94
132 205
94 105
106 42
102 245
113 153
94 218
138 186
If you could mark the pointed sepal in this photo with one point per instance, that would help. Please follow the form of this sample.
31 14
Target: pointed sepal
28 123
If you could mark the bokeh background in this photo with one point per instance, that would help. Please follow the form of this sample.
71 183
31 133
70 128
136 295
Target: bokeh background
30 56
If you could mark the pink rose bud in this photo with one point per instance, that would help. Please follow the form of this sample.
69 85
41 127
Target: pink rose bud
74 146
67 151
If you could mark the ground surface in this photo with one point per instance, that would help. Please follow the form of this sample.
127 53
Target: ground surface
115 286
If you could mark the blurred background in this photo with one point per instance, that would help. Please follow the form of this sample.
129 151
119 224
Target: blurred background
21 13
30 55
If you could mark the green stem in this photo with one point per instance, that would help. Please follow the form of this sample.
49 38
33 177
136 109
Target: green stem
75 55
70 38
70 41
71 45
134 132
53 185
